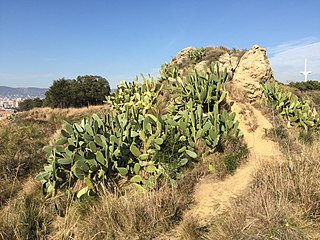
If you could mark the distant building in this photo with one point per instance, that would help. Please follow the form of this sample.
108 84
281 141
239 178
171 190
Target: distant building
7 103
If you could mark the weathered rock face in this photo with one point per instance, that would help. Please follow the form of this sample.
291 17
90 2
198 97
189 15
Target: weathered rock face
182 59
230 62
252 70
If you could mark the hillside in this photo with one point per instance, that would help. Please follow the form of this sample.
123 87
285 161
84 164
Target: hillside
197 154
29 92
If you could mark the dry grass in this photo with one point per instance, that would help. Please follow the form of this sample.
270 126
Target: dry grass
20 154
282 203
189 229
133 215
27 216
56 115
129 215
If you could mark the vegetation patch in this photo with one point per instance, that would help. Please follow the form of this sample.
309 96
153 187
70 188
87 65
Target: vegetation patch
306 86
283 202
297 113
127 144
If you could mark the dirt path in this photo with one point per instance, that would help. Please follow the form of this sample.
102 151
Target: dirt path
211 197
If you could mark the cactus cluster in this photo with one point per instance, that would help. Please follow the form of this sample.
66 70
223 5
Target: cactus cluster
168 72
198 103
203 87
101 150
196 54
127 143
139 97
298 113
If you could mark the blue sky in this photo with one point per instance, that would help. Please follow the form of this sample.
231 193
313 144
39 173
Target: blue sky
42 40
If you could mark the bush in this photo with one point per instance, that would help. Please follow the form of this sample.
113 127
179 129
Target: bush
29 104
306 86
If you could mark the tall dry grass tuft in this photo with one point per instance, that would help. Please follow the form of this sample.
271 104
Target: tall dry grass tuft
134 215
129 215
189 229
56 115
25 217
282 203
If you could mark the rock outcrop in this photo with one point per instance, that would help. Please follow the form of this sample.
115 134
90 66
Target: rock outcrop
252 70
246 71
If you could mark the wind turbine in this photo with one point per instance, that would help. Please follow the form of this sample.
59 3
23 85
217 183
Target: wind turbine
305 72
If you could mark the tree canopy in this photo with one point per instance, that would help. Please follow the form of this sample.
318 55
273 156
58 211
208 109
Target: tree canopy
82 91
29 104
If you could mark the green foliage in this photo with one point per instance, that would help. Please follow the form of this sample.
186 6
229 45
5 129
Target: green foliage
298 113
235 151
306 86
103 150
196 54
30 103
138 97
83 91
204 88
135 141
198 101
168 72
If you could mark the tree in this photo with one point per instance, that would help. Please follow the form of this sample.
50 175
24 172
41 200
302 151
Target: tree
83 91
91 90
29 104
59 94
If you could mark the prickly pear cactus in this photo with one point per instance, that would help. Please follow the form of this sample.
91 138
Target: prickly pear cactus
298 113
130 142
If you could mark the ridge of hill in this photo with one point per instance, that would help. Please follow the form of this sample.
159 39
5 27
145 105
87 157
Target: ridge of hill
22 92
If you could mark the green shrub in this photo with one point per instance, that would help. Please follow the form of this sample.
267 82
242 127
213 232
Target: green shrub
235 151
306 86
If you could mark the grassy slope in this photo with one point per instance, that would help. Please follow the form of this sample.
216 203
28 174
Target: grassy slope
26 214
22 139
283 201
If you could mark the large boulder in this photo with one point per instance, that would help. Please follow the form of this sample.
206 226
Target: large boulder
252 70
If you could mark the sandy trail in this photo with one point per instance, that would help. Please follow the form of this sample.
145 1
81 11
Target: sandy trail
213 197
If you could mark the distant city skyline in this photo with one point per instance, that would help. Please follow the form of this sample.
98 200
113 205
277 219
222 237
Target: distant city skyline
42 41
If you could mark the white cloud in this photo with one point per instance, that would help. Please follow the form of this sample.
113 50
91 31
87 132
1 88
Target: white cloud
287 60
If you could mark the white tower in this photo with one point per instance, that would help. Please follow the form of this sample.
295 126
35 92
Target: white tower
305 72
